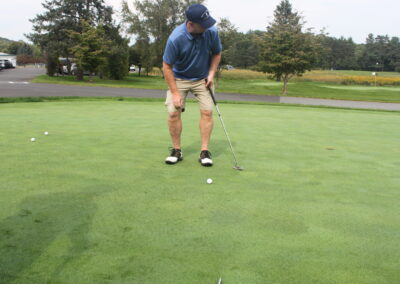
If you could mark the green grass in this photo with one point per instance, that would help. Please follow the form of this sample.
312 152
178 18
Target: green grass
357 73
93 202
314 90
131 81
132 99
251 86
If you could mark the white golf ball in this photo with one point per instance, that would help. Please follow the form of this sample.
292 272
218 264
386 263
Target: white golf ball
209 181
46 133
33 139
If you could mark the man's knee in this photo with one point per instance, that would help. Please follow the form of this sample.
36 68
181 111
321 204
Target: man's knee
206 114
174 116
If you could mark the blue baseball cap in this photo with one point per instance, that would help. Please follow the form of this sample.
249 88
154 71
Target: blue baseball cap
199 14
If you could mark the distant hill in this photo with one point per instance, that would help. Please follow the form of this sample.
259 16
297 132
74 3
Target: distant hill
5 39
4 43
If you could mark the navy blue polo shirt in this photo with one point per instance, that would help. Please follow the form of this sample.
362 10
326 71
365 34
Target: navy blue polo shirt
191 55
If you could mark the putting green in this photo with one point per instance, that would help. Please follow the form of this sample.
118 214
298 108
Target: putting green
93 202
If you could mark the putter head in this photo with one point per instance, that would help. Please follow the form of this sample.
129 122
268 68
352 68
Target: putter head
238 168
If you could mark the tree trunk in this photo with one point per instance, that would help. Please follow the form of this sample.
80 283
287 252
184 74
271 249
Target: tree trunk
285 85
79 74
219 71
68 65
162 72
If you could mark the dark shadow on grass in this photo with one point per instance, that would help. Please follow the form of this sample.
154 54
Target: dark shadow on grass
25 236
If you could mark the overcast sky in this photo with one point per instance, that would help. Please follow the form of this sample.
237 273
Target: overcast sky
349 18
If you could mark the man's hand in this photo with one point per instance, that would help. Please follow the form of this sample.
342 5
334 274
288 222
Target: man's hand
177 100
210 81
215 60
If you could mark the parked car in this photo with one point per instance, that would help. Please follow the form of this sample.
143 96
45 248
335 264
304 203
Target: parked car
65 69
132 68
6 64
74 70
228 67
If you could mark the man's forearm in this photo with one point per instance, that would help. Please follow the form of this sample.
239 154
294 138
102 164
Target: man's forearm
215 60
169 77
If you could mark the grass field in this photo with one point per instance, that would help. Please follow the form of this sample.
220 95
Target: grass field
252 85
352 73
93 202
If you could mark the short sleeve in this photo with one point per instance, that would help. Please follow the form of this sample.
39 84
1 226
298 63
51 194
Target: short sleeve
170 53
216 46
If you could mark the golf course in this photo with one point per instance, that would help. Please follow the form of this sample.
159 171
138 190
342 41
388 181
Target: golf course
94 202
199 142
321 84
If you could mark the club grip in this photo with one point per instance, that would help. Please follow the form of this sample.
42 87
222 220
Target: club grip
212 95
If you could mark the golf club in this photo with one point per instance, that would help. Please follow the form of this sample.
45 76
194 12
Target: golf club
236 166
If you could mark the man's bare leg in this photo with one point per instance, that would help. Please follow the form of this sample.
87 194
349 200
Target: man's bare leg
175 128
206 127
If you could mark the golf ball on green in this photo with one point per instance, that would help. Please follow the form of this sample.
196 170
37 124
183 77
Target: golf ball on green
46 133
209 181
33 139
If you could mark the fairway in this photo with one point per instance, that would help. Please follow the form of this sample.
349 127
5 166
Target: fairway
93 202
256 86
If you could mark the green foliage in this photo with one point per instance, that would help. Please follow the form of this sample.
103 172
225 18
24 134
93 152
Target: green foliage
20 47
52 63
229 35
91 50
4 43
287 50
134 55
337 53
51 28
380 53
246 50
117 65
152 21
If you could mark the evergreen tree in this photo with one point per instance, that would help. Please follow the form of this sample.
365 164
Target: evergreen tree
50 29
91 50
288 51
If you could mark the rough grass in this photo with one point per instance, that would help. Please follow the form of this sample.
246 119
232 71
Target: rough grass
93 202
353 78
335 76
248 86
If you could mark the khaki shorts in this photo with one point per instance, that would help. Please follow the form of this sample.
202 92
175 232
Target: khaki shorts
199 90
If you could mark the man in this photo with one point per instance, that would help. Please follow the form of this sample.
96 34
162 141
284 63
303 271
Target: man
191 58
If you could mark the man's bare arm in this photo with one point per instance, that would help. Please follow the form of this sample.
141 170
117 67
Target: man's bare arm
169 77
215 60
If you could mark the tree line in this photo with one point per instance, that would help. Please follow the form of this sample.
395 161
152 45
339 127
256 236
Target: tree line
85 31
378 53
26 53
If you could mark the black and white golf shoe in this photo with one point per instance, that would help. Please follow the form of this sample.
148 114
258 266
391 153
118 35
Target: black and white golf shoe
175 157
205 159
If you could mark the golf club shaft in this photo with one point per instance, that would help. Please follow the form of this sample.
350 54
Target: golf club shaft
223 125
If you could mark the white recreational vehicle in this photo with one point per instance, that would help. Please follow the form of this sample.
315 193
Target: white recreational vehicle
9 57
